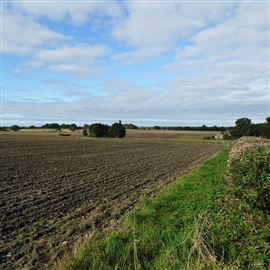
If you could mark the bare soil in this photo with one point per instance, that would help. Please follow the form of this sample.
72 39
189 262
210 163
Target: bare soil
56 189
167 134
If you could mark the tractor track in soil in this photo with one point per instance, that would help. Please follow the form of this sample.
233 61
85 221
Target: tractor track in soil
55 189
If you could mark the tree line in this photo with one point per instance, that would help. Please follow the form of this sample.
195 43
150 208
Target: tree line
116 130
243 127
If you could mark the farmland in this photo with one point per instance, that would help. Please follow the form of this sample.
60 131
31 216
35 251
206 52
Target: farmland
56 189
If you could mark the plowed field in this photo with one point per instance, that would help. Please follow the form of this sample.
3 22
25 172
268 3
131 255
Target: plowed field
55 189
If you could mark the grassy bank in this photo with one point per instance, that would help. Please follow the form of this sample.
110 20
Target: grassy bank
193 226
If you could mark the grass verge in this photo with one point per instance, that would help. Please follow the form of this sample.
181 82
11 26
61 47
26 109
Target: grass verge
186 228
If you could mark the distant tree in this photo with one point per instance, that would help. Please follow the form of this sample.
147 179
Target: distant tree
99 130
45 126
55 125
64 126
242 128
204 128
215 128
15 128
73 127
254 130
51 125
130 126
156 128
85 133
32 127
243 121
264 130
86 126
3 128
117 130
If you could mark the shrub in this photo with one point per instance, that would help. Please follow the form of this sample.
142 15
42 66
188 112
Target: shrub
249 172
98 130
117 130
73 127
15 128
130 126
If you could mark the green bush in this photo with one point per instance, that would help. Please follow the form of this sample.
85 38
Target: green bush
117 130
99 130
85 133
250 174
15 128
242 230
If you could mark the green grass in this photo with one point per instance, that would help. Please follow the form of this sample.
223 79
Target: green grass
197 224
170 232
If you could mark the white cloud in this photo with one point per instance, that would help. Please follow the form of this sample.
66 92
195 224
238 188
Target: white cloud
242 36
77 60
155 27
20 35
227 65
74 69
78 53
76 13
34 64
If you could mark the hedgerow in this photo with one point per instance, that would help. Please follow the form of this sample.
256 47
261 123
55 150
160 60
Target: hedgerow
249 172
242 229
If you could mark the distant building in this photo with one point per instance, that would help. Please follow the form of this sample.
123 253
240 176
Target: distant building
220 136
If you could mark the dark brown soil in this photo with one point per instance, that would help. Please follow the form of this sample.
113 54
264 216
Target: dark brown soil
56 189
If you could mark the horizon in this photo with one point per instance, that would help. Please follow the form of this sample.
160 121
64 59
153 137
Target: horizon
129 123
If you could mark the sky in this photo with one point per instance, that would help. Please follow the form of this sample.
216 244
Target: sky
166 63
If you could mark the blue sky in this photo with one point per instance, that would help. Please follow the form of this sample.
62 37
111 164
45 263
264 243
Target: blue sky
168 63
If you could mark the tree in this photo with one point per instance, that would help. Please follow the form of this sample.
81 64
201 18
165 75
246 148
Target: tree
264 130
99 130
73 127
243 121
85 126
242 128
15 128
85 133
64 125
117 130
130 126
51 125
268 120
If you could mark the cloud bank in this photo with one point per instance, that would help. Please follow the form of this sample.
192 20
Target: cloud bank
166 63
